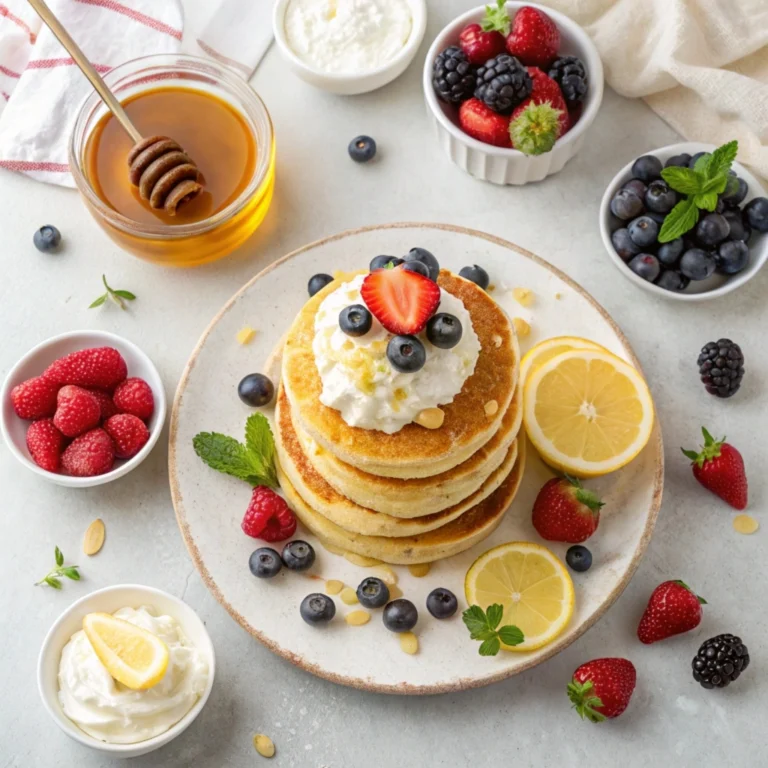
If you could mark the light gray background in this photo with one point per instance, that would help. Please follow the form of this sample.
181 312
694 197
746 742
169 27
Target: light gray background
524 721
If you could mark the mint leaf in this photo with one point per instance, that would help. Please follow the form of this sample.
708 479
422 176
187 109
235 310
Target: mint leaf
683 180
717 184
511 635
490 647
721 160
261 443
476 622
227 455
702 165
681 219
59 557
706 200
494 613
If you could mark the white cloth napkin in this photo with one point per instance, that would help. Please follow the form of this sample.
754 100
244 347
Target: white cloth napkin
41 89
701 65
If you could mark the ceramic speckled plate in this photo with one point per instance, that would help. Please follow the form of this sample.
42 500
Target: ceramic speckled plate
209 506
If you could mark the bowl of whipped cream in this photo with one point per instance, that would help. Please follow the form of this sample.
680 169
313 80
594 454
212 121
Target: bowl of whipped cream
349 46
95 709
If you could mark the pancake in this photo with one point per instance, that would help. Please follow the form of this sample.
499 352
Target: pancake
418 496
413 451
462 533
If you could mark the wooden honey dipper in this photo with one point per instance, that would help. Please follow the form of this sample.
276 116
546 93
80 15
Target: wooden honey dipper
165 176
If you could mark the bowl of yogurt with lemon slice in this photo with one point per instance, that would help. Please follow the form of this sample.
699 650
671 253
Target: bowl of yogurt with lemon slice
349 46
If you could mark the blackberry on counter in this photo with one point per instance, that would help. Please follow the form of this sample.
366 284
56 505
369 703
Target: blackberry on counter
720 661
503 83
721 367
453 77
570 74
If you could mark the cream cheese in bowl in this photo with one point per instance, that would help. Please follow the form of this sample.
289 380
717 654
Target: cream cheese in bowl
347 36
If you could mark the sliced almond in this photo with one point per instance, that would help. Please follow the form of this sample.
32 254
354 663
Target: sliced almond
245 335
93 540
348 596
419 570
431 418
523 296
521 327
491 408
745 524
333 586
361 560
386 574
264 745
409 642
394 591
496 340
357 618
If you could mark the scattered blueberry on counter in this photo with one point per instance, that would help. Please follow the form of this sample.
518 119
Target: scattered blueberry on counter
362 149
47 239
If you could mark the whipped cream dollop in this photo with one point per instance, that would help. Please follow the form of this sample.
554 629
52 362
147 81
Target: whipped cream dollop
358 379
347 36
110 712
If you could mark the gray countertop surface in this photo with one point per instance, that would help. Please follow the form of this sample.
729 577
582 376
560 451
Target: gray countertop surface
523 721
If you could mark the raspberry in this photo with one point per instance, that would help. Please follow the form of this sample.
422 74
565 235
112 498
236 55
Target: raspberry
108 408
129 434
34 398
88 455
101 367
134 396
45 444
268 516
77 411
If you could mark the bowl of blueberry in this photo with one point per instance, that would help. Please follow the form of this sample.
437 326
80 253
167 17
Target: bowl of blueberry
686 221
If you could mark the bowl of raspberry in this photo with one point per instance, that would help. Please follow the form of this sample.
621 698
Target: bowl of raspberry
512 89
83 408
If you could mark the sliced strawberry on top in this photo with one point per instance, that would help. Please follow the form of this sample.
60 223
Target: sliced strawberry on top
401 301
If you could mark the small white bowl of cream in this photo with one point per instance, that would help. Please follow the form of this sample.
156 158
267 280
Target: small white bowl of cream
349 46
97 711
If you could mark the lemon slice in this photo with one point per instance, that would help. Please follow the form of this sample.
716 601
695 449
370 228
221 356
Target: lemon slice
587 412
549 348
134 657
530 583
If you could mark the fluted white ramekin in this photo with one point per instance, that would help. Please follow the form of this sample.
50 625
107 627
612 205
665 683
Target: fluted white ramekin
509 166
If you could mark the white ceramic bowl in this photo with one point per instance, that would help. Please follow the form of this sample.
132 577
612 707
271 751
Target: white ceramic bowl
717 285
350 84
38 359
509 166
109 600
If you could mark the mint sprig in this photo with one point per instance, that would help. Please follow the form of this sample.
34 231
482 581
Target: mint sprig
484 626
497 19
118 296
53 577
701 184
253 461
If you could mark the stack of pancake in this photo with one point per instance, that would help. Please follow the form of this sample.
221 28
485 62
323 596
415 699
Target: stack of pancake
417 495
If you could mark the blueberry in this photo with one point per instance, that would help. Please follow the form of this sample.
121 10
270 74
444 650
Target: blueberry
256 390
626 205
636 186
477 275
265 563
47 238
669 253
406 354
756 214
442 603
735 191
660 198
672 281
647 168
739 230
317 283
298 555
732 256
657 217
680 161
697 264
362 149
646 266
578 558
712 229
692 162
416 266
643 231
425 257
444 330
373 593
400 615
355 320
317 608
624 244
381 262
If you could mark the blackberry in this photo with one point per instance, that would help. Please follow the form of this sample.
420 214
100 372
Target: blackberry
503 83
720 661
721 367
570 74
453 77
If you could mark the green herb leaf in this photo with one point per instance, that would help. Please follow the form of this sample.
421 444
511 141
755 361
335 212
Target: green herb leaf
58 556
260 442
511 635
706 200
680 220
52 577
116 295
496 19
494 613
125 295
683 180
227 455
98 302
721 160
482 626
71 572
52 581
717 184
702 166
490 647
475 620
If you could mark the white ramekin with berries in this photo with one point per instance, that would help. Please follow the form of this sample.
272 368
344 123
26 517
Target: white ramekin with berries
512 89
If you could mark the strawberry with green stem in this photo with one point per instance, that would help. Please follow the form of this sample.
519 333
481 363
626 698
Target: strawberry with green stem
719 467
602 688
566 511
486 40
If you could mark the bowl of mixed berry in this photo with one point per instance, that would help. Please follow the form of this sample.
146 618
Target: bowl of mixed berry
686 221
512 89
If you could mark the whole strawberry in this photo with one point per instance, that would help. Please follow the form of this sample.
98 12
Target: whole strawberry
483 41
102 367
601 689
483 124
45 444
719 467
566 511
89 455
534 38
77 411
672 610
34 398
268 516
542 118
